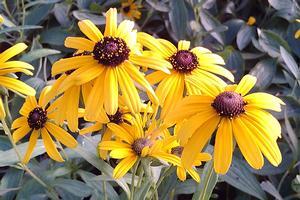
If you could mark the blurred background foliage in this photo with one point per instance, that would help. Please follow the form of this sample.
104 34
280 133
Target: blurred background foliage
253 36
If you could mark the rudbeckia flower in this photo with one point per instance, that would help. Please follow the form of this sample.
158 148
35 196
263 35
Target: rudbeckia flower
112 65
198 65
130 9
8 67
134 142
235 115
36 120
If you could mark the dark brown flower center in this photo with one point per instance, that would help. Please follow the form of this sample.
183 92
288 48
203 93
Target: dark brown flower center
111 51
184 61
37 118
117 118
126 9
139 144
177 151
229 104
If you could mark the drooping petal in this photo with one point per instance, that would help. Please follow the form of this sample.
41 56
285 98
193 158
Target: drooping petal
72 108
264 101
196 143
111 92
193 173
181 174
61 135
79 43
16 85
151 62
21 132
247 144
50 146
32 142
124 28
223 147
124 166
95 127
156 77
111 145
219 70
12 51
121 132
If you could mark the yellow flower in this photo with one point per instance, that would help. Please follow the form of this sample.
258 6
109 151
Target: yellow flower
196 65
297 34
235 115
1 19
134 142
8 67
111 64
251 20
130 10
37 119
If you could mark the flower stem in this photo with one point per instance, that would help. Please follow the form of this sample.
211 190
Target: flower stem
24 166
133 178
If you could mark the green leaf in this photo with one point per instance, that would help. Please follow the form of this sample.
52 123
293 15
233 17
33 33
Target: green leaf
142 192
9 157
54 36
37 83
292 108
291 64
76 188
210 23
234 25
296 184
244 36
31 190
37 14
11 180
38 53
241 178
271 42
292 137
96 19
209 179
5 191
235 63
292 41
270 188
178 18
18 28
186 187
158 5
264 71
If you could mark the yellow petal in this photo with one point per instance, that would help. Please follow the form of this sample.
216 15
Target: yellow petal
209 59
264 101
107 135
194 174
79 43
111 22
156 77
111 145
12 51
2 110
171 49
61 135
90 30
184 45
121 132
124 28
16 64
72 107
173 159
32 142
21 132
96 127
151 62
50 146
219 70
247 144
16 85
245 85
196 143
21 121
205 85
111 92
181 174
121 153
223 147
124 166
200 50
28 106
15 70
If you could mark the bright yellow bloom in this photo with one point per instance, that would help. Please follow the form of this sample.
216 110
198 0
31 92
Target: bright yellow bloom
37 119
235 115
132 142
1 19
297 34
196 65
111 61
130 9
8 67
251 20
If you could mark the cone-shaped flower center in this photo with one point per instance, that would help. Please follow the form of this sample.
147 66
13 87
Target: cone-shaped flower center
116 118
111 51
177 151
37 118
139 144
126 9
184 61
229 104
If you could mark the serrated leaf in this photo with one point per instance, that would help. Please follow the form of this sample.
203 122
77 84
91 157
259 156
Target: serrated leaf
178 18
291 64
77 188
264 71
209 179
244 36
38 53
241 178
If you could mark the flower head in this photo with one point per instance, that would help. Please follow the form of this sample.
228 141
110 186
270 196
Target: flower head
190 68
130 9
234 114
132 142
36 120
112 64
8 67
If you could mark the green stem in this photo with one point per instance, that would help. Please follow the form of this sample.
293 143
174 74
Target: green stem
7 111
104 190
133 178
24 166
23 20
